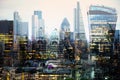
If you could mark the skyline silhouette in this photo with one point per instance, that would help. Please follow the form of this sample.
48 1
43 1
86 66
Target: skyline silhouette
54 11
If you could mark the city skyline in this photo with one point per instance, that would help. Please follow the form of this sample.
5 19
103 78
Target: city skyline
53 11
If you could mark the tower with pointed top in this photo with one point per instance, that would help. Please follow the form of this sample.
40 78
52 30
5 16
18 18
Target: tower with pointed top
65 28
79 30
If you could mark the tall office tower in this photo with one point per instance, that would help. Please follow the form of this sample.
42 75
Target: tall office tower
16 25
65 28
6 42
38 28
79 30
102 24
39 14
23 29
34 26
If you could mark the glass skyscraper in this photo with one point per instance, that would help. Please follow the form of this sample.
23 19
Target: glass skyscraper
17 19
102 23
65 28
20 27
79 29
38 28
39 14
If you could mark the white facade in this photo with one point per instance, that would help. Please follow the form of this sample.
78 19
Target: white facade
65 28
34 26
38 28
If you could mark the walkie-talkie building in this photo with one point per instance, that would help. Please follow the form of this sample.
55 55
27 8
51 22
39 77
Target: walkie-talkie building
102 23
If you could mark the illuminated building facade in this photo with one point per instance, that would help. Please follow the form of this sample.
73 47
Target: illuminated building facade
6 33
102 23
6 39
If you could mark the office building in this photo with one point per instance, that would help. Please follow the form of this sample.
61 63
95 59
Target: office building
6 41
79 30
38 28
6 33
102 23
65 29
23 29
117 36
17 19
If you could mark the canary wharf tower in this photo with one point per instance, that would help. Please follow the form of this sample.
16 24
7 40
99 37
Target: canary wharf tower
79 30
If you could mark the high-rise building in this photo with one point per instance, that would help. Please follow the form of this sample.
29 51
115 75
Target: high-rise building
65 28
38 28
102 23
23 29
16 25
6 34
65 25
79 30
117 42
39 14
20 28
34 26
6 41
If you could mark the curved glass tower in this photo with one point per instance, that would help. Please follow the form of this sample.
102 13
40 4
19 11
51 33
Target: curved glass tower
102 23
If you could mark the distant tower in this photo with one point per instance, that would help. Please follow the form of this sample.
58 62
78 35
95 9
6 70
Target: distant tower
23 29
39 14
79 30
38 28
16 24
65 27
34 26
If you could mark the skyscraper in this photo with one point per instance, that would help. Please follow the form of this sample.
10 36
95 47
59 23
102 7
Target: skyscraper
20 27
65 25
117 36
6 42
65 28
16 24
38 28
79 29
23 29
39 14
102 23
34 26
